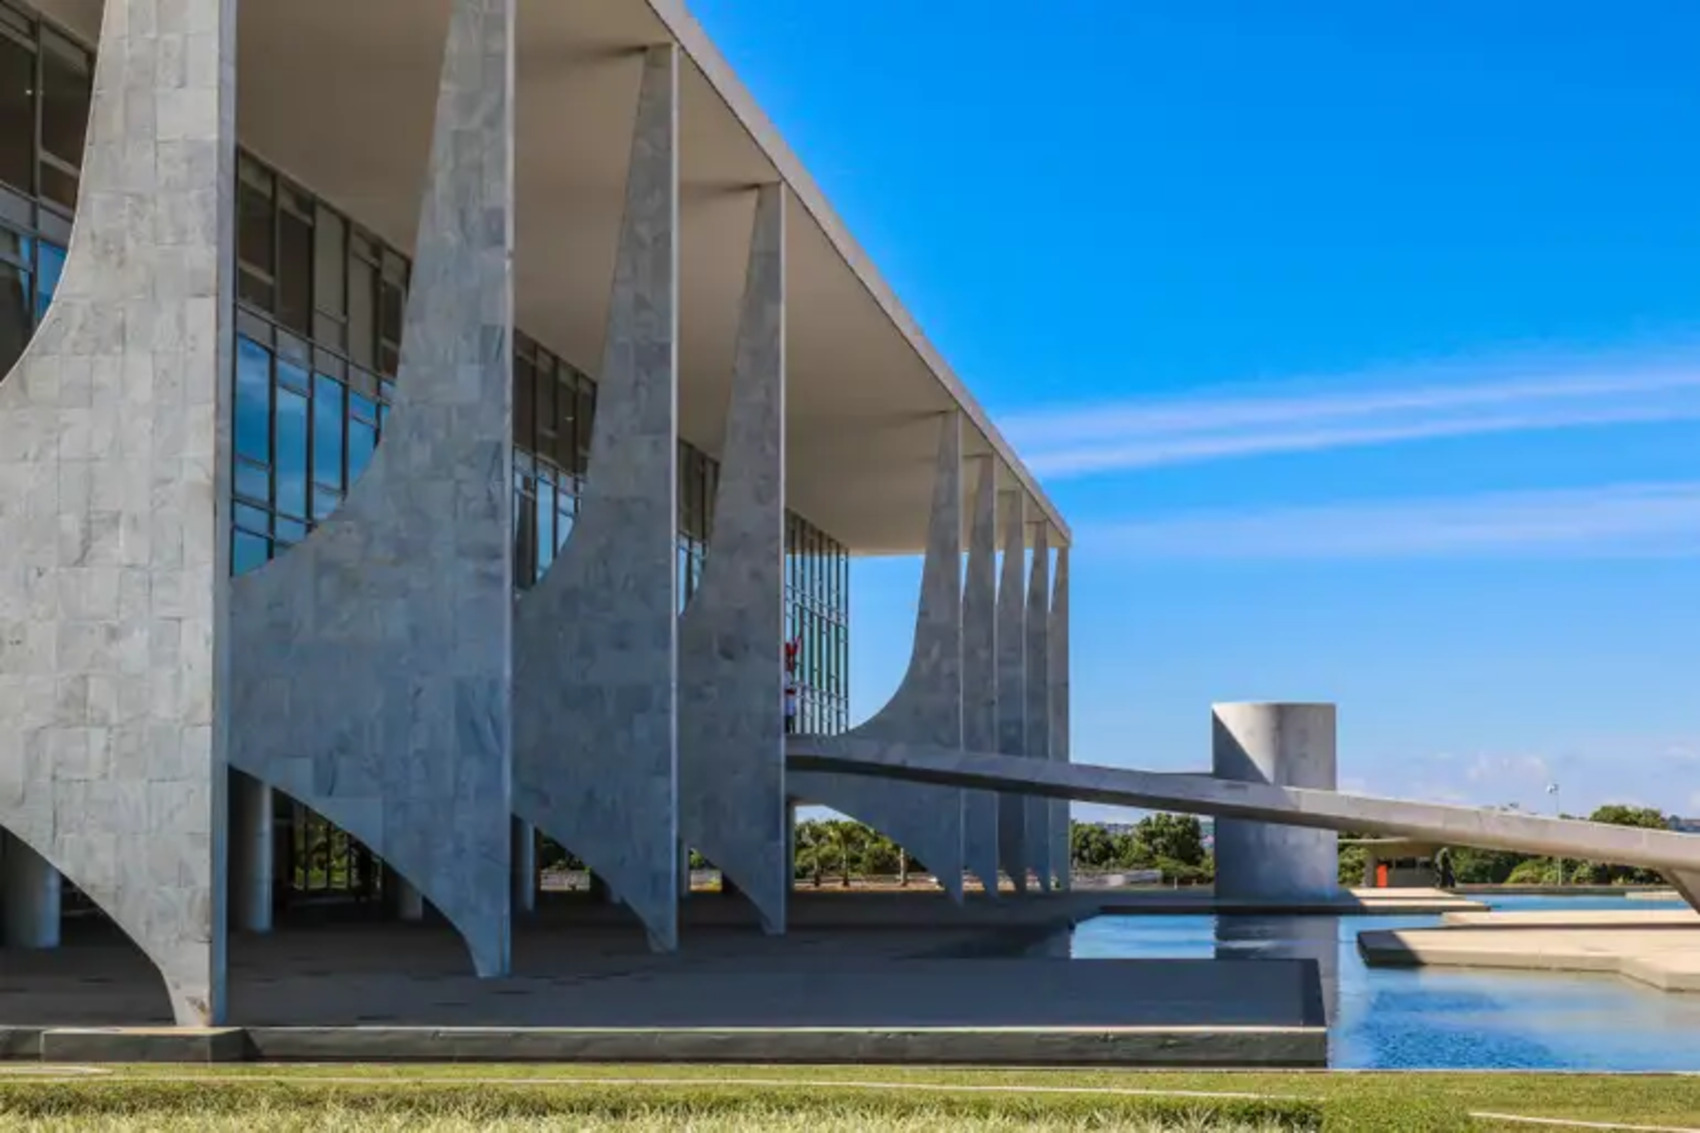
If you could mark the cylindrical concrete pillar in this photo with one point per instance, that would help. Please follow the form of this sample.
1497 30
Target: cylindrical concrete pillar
1285 745
406 902
29 897
252 854
524 865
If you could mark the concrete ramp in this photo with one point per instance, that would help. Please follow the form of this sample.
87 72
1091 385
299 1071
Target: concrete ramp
1677 855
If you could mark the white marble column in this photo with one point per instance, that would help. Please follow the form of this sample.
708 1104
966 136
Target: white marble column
596 656
1283 745
979 673
1062 849
731 636
1038 694
252 854
1012 684
927 706
29 897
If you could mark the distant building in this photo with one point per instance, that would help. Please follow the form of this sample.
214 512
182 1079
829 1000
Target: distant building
1685 825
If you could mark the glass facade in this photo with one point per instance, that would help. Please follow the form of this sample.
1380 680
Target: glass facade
45 84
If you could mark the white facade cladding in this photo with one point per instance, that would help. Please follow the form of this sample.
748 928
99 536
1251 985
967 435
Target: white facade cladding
453 481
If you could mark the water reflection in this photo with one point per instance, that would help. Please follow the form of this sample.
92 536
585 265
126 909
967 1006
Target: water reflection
1388 1018
1286 938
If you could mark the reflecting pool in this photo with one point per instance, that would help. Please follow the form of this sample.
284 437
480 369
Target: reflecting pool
1408 1018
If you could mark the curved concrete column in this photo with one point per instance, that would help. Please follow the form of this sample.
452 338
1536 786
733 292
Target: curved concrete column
30 891
732 636
1062 848
1038 693
1012 685
927 707
371 676
979 674
1284 745
113 489
596 640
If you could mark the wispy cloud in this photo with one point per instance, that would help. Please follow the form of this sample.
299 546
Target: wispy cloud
1434 403
1620 520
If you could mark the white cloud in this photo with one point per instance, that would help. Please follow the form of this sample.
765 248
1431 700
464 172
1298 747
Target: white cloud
1658 519
1366 410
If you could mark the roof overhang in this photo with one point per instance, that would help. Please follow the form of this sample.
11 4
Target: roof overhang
340 95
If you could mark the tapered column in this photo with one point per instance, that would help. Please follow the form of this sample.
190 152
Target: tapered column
524 859
596 639
1061 827
1012 685
927 707
371 676
252 854
731 638
1284 745
1687 885
29 897
1038 693
114 506
979 674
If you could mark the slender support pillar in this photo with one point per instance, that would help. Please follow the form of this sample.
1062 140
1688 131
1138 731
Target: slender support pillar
1038 693
1012 685
1285 745
406 901
371 676
596 639
979 674
524 859
1062 845
1687 885
29 897
927 707
114 544
252 854
731 637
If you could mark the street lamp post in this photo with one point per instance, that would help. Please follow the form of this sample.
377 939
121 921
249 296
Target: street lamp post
1557 812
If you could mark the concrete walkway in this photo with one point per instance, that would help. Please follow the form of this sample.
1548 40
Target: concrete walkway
1657 947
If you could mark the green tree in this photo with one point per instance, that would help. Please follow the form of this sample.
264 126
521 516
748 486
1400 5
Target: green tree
1602 873
1090 845
1177 838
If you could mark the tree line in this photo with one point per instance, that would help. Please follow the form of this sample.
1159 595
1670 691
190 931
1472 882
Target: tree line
836 851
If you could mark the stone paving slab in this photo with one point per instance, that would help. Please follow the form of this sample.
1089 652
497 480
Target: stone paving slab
1661 955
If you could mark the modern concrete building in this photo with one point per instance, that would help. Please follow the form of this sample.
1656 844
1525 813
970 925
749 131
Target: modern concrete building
425 423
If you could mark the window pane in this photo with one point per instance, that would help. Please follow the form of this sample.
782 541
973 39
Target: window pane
254 220
294 272
325 503
253 481
330 261
362 442
394 301
248 552
584 419
58 186
14 315
328 417
253 400
362 318
291 445
65 78
253 519
292 376
545 526
17 115
289 530
50 264
525 392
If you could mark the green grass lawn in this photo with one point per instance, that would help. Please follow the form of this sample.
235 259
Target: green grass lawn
256 1098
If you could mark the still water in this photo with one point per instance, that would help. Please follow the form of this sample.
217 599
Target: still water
1408 1018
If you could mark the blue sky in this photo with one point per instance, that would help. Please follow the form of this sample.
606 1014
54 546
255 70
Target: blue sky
1359 342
